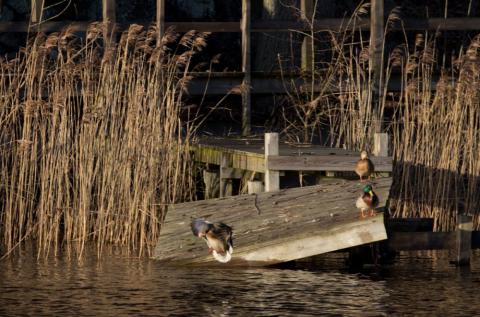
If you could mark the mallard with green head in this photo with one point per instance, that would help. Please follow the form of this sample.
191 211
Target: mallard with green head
218 237
368 201
364 166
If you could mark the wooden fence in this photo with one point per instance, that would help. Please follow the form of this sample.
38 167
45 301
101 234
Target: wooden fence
246 26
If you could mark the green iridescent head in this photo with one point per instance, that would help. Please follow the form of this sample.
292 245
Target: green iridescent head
367 189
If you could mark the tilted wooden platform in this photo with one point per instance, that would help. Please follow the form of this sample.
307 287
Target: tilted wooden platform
275 227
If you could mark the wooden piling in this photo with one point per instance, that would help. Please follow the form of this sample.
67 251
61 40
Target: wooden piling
211 180
37 10
376 51
160 19
306 8
380 144
463 240
272 177
246 67
108 14
255 187
226 185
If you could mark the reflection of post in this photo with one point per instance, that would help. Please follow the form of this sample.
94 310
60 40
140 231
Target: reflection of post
306 7
108 12
463 243
246 67
272 178
160 20
376 52
37 9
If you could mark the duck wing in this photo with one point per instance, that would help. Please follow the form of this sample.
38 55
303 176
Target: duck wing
223 233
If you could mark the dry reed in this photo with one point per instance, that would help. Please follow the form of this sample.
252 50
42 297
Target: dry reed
434 120
93 145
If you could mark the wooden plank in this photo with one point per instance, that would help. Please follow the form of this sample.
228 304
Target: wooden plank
239 159
409 225
273 227
449 24
246 67
411 241
324 163
160 20
272 178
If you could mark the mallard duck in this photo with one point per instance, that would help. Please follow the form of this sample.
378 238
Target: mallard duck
368 201
218 237
364 167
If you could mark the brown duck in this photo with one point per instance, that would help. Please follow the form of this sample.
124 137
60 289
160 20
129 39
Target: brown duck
364 167
367 202
218 237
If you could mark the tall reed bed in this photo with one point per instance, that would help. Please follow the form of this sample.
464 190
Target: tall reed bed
93 145
436 133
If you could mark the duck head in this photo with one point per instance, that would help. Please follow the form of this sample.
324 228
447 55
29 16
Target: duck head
364 155
368 190
200 227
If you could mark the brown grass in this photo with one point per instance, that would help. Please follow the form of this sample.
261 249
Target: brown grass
93 146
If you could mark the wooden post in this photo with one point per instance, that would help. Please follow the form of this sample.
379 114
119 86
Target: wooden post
211 181
380 144
160 20
306 8
255 187
225 181
246 68
37 10
108 14
272 178
463 240
376 52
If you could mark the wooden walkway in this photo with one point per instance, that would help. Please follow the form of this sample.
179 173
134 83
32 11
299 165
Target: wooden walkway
249 154
274 227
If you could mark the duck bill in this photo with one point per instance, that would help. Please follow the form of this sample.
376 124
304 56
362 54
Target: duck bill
370 193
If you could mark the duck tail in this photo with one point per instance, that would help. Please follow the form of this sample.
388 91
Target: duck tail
223 258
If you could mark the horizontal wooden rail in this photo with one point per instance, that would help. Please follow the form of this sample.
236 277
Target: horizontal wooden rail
449 24
333 163
412 241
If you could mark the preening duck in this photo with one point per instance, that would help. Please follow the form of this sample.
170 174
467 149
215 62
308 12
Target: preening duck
368 201
364 167
218 237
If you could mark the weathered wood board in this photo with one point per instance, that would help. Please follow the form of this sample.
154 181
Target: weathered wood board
274 227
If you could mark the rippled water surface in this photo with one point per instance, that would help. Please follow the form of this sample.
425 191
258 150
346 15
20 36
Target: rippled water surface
418 283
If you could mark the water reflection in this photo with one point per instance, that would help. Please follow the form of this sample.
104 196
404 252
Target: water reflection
118 285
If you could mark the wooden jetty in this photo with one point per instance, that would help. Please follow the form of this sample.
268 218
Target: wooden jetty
275 227
270 157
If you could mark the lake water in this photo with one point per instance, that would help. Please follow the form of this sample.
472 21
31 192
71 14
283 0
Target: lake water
418 283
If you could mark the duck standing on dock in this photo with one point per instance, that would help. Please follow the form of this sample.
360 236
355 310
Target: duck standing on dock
364 167
367 201
218 237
